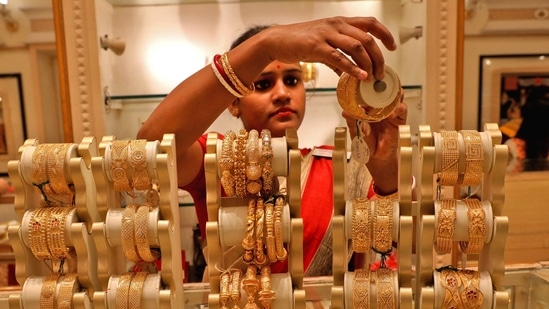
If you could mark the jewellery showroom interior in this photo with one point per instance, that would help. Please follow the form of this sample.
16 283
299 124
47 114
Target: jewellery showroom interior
92 217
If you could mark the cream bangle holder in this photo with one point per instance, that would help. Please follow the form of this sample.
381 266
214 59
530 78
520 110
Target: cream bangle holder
113 227
349 219
485 287
461 231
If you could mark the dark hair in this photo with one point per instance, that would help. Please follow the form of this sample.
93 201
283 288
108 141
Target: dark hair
250 32
534 129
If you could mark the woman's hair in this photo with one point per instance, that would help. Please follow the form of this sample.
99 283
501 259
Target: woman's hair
534 129
248 34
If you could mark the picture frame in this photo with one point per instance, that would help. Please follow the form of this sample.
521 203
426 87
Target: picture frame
13 130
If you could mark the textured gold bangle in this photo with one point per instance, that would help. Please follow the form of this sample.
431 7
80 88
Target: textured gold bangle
138 163
224 289
227 163
253 168
240 163
40 178
38 234
235 81
55 235
250 284
361 234
281 252
477 227
269 227
123 291
67 288
136 289
267 162
449 170
451 281
119 166
385 298
248 243
382 229
48 291
471 295
361 288
57 160
446 224
266 295
474 157
260 258
128 235
141 231
236 277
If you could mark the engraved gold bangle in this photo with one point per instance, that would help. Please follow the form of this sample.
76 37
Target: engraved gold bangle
361 234
227 163
138 163
40 178
240 163
57 160
449 170
248 243
267 162
123 291
128 235
269 227
471 295
224 289
259 254
253 168
136 289
361 288
281 252
141 231
67 288
266 295
48 291
382 228
474 157
119 166
250 284
385 298
235 81
477 227
55 235
38 234
446 224
236 277
451 282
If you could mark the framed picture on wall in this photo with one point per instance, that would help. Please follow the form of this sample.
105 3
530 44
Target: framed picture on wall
12 118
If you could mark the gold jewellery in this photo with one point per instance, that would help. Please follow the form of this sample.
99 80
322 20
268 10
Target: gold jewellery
227 163
119 166
260 258
39 169
451 281
138 162
250 284
57 157
141 231
477 227
240 163
281 252
462 288
224 289
382 229
136 289
385 285
449 170
48 291
123 291
266 295
361 233
55 235
361 288
67 288
269 226
248 243
38 233
471 295
235 81
128 235
253 168
267 161
446 224
474 157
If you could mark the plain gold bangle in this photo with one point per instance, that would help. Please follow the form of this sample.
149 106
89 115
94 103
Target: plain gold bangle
136 289
446 224
382 228
55 235
227 163
123 291
240 163
141 231
138 163
128 235
248 243
361 288
386 298
119 166
449 170
281 252
38 234
361 234
267 161
270 243
67 288
260 258
48 291
477 227
474 157
451 281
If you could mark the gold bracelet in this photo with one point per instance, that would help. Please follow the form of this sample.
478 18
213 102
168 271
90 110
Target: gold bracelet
361 234
266 295
141 231
260 258
227 163
269 226
477 227
446 224
361 288
383 225
451 281
119 165
40 178
250 284
240 163
67 288
281 252
123 291
253 168
128 235
267 161
136 289
235 81
474 157
38 234
248 243
471 295
449 170
138 163
236 277
57 160
48 291
385 297
224 289
55 236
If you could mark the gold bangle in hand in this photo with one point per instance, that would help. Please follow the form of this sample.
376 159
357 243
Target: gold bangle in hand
477 227
361 234
446 224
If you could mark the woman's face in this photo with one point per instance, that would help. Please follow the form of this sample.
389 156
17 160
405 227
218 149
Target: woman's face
278 102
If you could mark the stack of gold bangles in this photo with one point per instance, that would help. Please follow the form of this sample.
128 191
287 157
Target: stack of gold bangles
133 176
134 233
385 291
47 233
129 290
451 173
461 288
57 291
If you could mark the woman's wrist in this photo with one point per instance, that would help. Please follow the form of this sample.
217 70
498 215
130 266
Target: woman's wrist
384 177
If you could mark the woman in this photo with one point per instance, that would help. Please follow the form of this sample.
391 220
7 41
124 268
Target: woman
268 58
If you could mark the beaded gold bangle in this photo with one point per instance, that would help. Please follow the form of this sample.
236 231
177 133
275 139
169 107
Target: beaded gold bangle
235 81
236 277
253 168
361 233
227 163
248 243
67 288
449 170
119 166
269 226
55 235
361 288
474 157
382 228
128 235
57 160
240 163
260 258
386 298
281 252
224 289
38 234
266 295
141 231
48 291
267 161
477 227
451 281
471 295
123 291
138 163
445 227
136 289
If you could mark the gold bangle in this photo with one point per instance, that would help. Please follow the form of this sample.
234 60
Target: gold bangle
227 163
48 291
119 165
385 297
136 289
141 231
451 281
224 289
361 288
382 229
267 162
55 236
248 243
260 258
253 168
57 160
235 81
240 163
67 288
250 284
471 295
38 234
474 157
361 235
40 178
446 224
123 291
236 277
266 295
449 170
269 226
138 163
128 235
477 227
281 252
